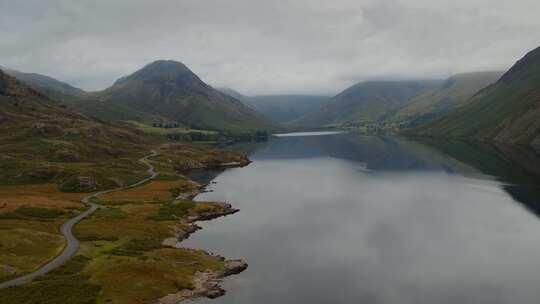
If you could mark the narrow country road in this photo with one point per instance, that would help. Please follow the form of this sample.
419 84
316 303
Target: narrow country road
72 244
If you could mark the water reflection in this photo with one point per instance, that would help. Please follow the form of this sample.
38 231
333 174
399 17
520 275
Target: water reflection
516 167
355 219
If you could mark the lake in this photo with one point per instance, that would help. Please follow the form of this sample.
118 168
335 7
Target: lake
345 218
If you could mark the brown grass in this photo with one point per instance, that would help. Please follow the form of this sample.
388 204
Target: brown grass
45 196
149 274
153 191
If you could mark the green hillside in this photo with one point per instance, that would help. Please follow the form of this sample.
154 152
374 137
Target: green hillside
42 142
161 92
369 102
507 111
452 94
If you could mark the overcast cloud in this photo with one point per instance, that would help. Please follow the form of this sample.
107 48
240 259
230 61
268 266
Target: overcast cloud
264 46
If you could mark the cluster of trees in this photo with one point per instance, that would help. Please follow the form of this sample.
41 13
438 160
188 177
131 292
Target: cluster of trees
219 137
165 125
195 136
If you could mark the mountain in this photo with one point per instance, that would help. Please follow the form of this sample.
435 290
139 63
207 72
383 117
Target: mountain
49 86
279 108
42 142
453 93
507 111
168 91
365 102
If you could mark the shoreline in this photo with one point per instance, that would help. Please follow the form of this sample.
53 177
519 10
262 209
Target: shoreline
206 284
202 281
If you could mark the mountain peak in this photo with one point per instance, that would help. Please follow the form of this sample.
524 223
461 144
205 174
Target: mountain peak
171 65
162 71
167 90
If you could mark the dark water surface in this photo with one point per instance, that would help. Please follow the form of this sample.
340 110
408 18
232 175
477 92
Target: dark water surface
353 219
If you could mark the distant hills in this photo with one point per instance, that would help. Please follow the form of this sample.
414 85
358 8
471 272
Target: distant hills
478 106
164 91
365 102
451 94
47 85
507 111
286 108
281 109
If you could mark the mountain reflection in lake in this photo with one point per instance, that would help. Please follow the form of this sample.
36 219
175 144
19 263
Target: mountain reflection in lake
355 219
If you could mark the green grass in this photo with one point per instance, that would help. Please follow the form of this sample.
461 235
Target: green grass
165 131
173 210
72 267
110 213
65 290
98 238
136 247
185 188
64 285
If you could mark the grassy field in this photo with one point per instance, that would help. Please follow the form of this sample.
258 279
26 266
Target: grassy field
121 245
65 285
124 242
121 259
29 219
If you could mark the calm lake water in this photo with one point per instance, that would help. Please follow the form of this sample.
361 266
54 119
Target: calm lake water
344 218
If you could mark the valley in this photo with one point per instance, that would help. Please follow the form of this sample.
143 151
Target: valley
336 181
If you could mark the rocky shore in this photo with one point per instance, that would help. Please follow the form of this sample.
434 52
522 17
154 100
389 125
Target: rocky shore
206 283
190 224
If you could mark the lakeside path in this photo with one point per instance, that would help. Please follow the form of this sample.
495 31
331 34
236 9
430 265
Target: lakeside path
72 244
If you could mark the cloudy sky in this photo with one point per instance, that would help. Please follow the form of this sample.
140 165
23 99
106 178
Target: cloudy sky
265 46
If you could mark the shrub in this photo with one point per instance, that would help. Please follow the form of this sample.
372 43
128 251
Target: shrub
40 212
25 212
173 210
136 247
64 285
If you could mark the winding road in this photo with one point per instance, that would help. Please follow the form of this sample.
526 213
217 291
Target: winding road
72 244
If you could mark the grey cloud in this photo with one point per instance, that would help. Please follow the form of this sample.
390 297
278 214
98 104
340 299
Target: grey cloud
264 47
